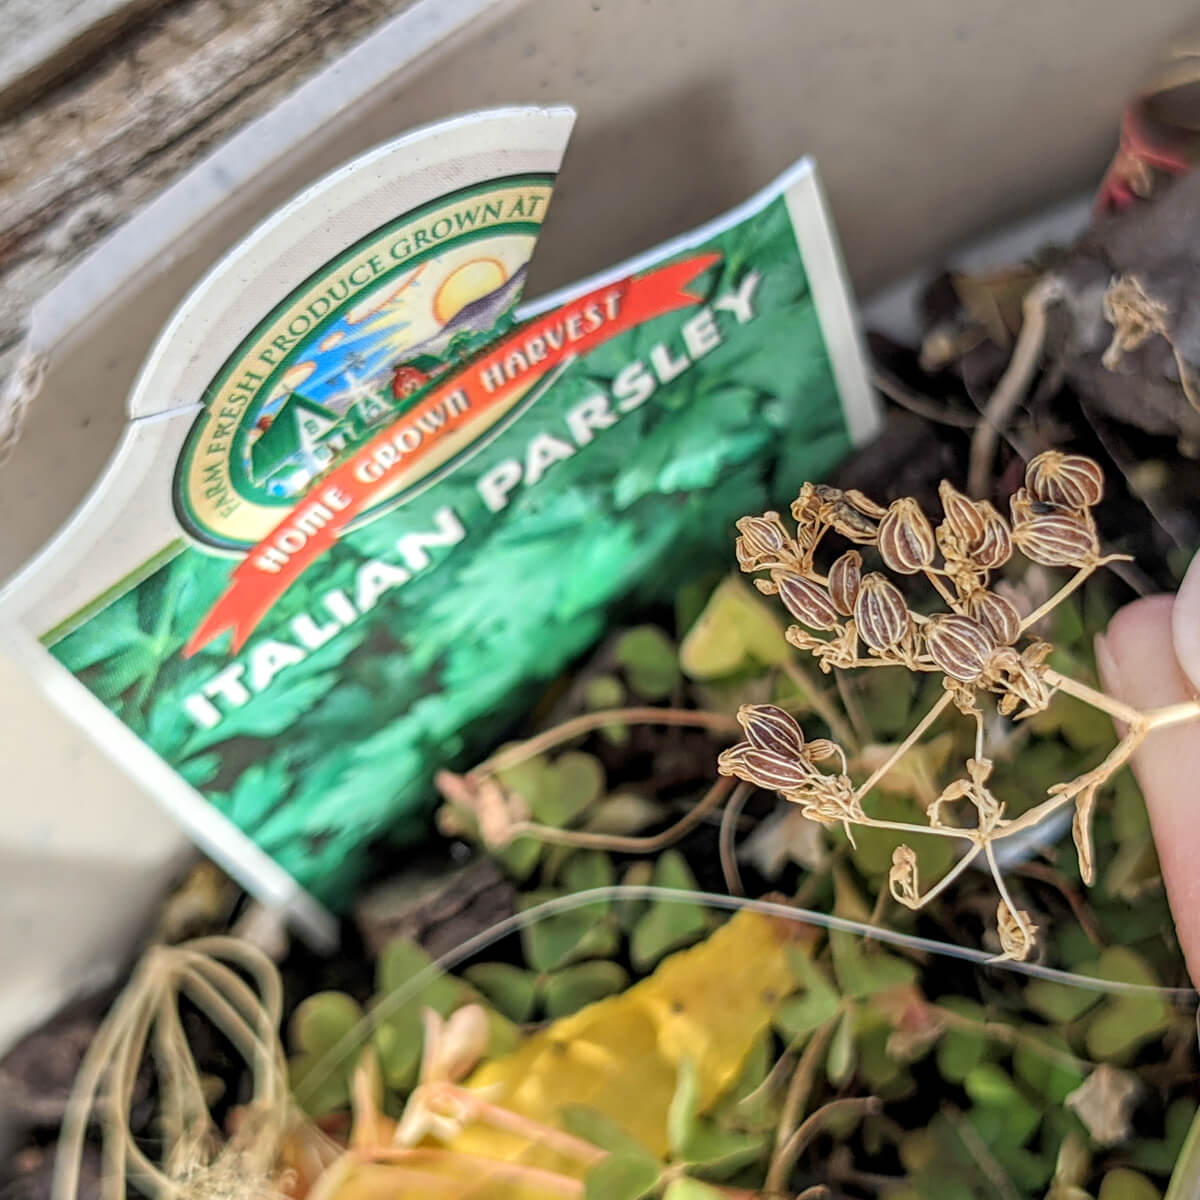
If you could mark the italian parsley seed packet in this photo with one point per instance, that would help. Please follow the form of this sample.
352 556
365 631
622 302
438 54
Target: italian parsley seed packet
366 507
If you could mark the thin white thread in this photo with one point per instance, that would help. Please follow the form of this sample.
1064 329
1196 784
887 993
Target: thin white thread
560 904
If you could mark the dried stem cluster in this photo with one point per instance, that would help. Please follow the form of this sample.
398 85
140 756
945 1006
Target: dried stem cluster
848 617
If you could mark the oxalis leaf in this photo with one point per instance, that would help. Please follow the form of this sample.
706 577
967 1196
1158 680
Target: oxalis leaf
1125 1021
572 988
668 924
512 990
650 661
737 626
562 938
622 1177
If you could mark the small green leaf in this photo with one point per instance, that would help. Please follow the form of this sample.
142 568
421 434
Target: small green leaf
401 960
567 937
839 1063
650 661
622 1177
602 1131
681 1115
574 783
721 1152
511 990
1003 1116
330 1094
1059 1003
322 1020
573 988
736 625
691 1189
669 924
817 1002
1126 1020
1048 1071
587 870
604 691
1124 1184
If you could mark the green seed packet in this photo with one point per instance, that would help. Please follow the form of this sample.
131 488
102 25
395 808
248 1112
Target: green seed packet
366 506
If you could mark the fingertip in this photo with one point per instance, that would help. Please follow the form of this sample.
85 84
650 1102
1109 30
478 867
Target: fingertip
1186 624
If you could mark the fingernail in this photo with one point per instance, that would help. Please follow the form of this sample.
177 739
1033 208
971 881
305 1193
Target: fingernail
1185 621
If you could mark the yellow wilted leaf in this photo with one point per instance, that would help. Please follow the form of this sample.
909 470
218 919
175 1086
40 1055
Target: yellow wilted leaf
736 624
621 1056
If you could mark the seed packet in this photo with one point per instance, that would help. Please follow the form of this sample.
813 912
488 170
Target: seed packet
366 506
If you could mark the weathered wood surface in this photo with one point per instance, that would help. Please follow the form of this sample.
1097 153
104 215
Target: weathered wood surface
95 143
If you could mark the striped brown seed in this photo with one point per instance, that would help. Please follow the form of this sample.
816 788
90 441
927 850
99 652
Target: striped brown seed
1058 539
906 542
806 600
880 614
964 518
959 645
996 614
769 727
764 768
995 548
763 542
844 578
1069 480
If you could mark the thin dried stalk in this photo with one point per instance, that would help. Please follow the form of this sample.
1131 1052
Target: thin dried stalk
145 1021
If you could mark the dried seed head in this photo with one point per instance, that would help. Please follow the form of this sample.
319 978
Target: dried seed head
807 601
806 508
764 768
905 537
994 549
903 880
844 578
963 516
769 727
959 645
1060 539
763 542
880 613
1069 480
1016 932
996 614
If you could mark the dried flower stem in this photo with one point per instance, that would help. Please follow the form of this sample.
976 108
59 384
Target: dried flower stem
1014 383
1077 580
793 1105
726 839
588 722
583 839
939 707
819 702
810 1127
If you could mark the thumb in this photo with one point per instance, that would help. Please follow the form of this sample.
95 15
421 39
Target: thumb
1139 665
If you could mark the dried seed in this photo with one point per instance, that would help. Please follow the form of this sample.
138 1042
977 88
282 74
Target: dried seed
959 645
764 542
1016 930
853 524
996 614
994 549
769 727
865 504
905 537
844 578
807 601
1069 480
880 613
963 516
764 769
1057 539
821 749
903 880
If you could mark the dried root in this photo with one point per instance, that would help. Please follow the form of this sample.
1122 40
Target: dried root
196 1162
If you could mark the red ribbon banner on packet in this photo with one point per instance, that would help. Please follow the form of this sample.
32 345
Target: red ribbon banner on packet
519 360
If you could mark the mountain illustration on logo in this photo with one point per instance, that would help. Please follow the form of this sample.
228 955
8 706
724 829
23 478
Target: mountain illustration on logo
354 379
